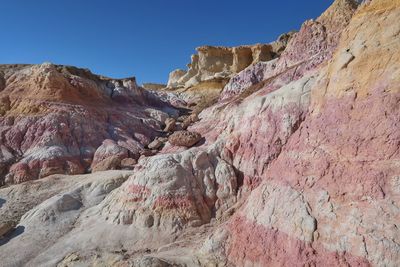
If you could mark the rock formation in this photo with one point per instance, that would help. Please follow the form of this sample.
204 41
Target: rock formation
55 119
218 63
298 167
212 67
312 46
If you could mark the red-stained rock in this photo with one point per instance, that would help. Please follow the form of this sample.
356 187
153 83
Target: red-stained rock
326 196
258 245
312 46
54 118
302 172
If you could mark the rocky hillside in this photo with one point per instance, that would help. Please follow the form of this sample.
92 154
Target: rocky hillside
212 67
54 119
294 162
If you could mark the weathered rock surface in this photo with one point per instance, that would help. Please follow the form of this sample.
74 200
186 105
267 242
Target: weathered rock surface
6 228
336 174
309 48
214 63
47 210
184 138
295 173
54 119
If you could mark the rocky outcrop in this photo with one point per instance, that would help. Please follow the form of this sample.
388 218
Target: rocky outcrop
307 50
54 118
216 63
339 185
295 173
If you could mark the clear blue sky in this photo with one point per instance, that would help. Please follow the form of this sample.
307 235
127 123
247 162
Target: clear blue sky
146 38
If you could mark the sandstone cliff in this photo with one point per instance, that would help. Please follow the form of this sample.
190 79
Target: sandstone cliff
217 62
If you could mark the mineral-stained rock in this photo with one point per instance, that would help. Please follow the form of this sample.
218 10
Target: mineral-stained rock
338 168
295 173
174 191
53 118
184 138
306 50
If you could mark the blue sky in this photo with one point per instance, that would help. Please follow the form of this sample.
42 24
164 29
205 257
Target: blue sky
147 38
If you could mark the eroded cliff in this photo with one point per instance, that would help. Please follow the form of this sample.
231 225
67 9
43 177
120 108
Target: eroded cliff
297 167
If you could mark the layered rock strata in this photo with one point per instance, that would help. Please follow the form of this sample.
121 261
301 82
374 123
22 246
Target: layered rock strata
54 118
296 173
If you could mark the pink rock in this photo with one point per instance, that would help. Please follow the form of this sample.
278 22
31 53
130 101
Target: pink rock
61 116
270 247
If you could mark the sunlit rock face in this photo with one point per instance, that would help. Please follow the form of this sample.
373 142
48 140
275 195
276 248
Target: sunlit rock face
53 118
294 168
218 62
306 51
331 195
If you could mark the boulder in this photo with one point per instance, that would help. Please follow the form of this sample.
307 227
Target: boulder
110 163
184 138
108 156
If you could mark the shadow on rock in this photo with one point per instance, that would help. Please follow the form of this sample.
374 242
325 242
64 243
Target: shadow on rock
19 230
201 142
2 201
